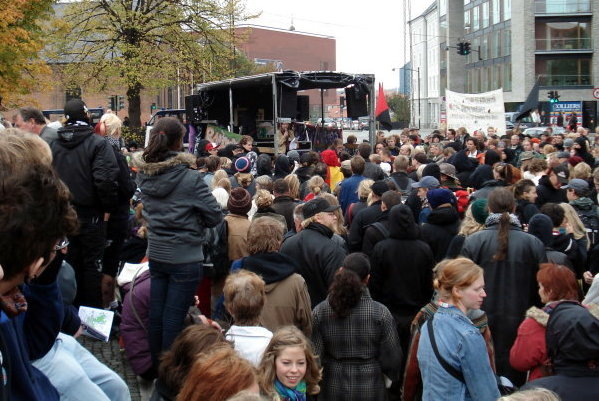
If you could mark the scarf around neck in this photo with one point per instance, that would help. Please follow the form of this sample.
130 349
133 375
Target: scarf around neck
495 217
291 394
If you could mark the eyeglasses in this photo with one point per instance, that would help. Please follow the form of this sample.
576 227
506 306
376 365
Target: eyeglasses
62 244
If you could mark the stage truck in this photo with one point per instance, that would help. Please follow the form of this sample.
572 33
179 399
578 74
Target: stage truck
257 105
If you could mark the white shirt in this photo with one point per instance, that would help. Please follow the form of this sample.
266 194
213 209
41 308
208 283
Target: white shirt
249 341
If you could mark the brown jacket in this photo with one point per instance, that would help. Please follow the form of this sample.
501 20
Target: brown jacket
237 232
287 304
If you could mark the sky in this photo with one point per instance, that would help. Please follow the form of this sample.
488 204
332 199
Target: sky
369 34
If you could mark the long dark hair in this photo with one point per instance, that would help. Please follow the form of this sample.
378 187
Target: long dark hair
165 137
501 200
347 286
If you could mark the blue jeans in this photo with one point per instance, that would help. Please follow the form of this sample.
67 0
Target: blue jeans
172 289
78 375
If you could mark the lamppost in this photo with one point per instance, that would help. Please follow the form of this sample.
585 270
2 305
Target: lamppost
411 91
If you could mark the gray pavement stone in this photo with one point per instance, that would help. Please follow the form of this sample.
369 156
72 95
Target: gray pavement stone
111 355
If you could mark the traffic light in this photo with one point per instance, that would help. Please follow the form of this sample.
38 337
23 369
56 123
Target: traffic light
153 107
466 48
553 96
121 102
112 102
461 48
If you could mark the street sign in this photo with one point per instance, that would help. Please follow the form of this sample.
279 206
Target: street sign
596 93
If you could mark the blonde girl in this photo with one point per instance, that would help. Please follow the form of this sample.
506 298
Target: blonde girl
315 185
289 368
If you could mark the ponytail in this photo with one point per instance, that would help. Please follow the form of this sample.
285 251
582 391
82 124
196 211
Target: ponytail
503 237
165 137
348 284
502 201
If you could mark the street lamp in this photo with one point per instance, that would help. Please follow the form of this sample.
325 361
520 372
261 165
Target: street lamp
411 91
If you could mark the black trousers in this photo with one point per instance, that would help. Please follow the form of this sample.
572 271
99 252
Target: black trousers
86 250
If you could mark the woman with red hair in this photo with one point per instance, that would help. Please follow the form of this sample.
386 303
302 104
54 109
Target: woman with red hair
557 283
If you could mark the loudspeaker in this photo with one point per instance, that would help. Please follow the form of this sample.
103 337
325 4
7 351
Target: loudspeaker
287 102
356 103
303 108
193 109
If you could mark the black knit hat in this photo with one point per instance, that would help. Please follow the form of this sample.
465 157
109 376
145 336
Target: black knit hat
75 110
240 201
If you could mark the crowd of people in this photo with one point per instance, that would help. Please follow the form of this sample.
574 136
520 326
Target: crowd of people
460 266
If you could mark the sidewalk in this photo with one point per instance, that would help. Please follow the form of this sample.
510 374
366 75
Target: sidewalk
110 354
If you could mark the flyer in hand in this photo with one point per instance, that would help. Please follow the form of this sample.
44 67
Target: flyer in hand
96 322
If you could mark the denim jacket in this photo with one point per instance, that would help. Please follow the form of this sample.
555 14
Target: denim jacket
463 347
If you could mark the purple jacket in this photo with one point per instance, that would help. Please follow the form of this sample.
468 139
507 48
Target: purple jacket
133 331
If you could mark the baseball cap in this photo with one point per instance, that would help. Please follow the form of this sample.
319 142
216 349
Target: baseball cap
211 146
379 187
317 205
577 184
562 173
427 182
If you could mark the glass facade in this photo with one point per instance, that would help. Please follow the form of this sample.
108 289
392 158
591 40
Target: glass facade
563 36
507 10
564 71
562 6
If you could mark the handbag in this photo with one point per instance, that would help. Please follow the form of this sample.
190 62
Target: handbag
457 374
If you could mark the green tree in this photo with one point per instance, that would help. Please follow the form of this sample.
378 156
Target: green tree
21 39
145 44
400 105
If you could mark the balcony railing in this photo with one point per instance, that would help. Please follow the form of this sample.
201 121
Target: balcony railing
562 6
563 44
565 80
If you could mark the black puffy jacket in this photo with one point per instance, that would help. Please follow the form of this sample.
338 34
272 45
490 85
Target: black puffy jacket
317 256
510 284
443 223
87 164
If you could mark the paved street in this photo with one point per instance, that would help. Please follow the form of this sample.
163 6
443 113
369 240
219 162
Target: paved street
111 355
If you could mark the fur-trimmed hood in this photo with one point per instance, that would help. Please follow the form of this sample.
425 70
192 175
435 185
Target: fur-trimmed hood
161 178
175 158
541 317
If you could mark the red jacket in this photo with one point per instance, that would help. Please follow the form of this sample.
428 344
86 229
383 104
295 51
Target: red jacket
529 352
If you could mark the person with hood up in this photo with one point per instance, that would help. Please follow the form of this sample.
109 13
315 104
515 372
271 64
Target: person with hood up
541 226
484 172
581 150
334 174
403 285
88 166
287 298
283 167
573 347
510 259
443 222
178 206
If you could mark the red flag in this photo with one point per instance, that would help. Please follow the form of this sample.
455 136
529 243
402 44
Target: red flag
382 110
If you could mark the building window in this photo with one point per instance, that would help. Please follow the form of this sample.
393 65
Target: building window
562 6
442 7
485 17
564 71
497 76
496 44
484 47
466 21
507 42
475 20
507 10
507 77
563 35
496 15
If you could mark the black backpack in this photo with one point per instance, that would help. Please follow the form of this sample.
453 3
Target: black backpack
404 191
216 251
590 219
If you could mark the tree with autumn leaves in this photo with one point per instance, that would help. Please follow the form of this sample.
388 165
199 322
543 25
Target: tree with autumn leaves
21 40
145 44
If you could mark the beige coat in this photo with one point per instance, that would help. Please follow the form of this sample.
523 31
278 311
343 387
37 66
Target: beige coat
237 233
287 304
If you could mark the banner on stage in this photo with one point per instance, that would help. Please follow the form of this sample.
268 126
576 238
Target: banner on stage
476 111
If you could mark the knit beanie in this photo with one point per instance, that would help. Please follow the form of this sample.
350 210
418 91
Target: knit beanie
479 210
243 165
240 201
294 155
541 226
439 196
432 170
